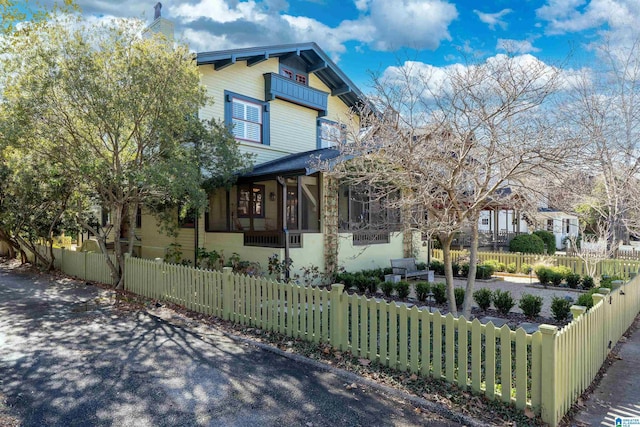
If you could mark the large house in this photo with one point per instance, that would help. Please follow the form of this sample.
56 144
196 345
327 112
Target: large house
285 104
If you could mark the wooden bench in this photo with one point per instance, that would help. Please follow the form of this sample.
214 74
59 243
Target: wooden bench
407 268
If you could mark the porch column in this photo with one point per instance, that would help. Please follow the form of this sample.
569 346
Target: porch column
496 213
252 206
285 231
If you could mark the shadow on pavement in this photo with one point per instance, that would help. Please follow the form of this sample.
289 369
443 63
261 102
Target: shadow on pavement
68 357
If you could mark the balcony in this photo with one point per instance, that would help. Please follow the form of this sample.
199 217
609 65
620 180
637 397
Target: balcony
277 86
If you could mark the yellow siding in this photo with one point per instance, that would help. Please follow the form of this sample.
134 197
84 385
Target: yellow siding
311 253
292 128
234 242
356 258
154 243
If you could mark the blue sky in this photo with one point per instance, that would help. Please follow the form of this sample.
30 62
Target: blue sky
371 35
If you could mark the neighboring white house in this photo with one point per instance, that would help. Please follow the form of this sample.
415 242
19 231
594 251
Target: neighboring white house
560 223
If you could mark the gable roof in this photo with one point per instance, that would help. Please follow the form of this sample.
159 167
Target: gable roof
316 60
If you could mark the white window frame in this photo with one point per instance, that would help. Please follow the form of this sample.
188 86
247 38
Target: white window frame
244 134
335 138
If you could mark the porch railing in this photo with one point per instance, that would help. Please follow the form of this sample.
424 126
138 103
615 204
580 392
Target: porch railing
362 238
272 239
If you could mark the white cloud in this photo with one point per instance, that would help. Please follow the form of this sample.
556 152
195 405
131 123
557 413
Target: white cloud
567 16
410 23
516 46
493 19
437 78
384 25
362 5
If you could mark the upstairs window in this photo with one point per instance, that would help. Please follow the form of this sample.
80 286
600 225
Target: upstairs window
247 120
297 76
330 134
247 117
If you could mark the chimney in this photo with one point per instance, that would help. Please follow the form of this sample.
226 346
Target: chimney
160 24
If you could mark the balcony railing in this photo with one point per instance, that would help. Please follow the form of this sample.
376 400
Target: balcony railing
272 239
277 86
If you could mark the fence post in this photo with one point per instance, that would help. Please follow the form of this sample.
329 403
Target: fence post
577 311
603 295
338 335
549 412
227 292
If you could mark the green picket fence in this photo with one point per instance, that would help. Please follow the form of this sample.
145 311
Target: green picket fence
545 371
86 265
612 267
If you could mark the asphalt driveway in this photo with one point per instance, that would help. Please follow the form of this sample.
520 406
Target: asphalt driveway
69 358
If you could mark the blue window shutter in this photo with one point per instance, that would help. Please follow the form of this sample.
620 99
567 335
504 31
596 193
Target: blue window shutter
228 105
266 134
318 133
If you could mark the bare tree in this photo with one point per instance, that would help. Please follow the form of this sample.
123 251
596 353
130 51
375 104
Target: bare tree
593 248
447 140
603 113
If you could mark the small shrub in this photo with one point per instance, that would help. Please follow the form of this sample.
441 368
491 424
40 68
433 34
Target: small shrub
573 280
555 278
561 308
549 240
459 296
437 266
402 288
525 268
564 271
586 300
607 281
587 282
494 263
530 305
347 279
439 293
512 268
387 288
527 243
483 297
456 269
361 282
543 274
502 301
464 270
373 285
422 290
421 266
484 271
385 271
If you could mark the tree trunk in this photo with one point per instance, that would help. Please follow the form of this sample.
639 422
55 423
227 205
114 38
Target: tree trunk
118 278
445 241
473 267
37 256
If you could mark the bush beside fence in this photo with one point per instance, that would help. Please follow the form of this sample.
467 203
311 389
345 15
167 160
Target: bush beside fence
611 267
